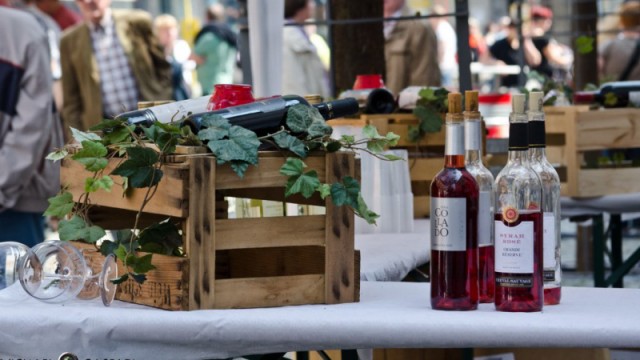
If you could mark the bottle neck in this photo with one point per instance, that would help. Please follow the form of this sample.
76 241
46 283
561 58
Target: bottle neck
518 138
472 138
454 145
537 154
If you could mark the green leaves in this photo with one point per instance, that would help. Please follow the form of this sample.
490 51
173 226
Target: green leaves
81 136
230 143
60 205
430 120
57 155
140 168
292 143
584 44
299 181
93 185
377 143
92 155
77 229
302 118
161 238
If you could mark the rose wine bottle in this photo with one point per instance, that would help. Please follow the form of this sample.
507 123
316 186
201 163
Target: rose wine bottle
454 220
486 187
518 223
550 200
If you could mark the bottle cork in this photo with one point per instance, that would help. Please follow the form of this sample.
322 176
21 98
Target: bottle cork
471 100
535 100
517 102
455 103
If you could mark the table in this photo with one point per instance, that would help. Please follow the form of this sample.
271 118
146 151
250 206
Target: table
389 315
391 256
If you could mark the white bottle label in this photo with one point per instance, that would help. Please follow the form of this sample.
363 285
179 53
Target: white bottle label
514 248
549 240
448 224
472 135
179 110
634 98
485 216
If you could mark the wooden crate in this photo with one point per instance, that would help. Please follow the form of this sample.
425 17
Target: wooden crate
235 263
573 130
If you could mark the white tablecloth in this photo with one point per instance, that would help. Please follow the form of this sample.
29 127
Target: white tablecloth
389 315
390 257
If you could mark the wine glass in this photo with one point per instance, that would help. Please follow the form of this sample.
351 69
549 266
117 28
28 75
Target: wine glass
10 254
56 272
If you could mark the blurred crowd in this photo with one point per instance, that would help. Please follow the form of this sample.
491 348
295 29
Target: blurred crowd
65 66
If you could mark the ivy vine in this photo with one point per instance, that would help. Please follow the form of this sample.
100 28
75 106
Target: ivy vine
140 166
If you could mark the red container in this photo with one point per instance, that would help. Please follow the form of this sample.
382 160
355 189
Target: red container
368 81
226 95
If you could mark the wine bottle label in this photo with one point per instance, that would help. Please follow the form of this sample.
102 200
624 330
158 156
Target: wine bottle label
472 135
485 215
514 248
448 224
514 280
549 240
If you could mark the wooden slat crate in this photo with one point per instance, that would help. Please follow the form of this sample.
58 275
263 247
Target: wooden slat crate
235 263
426 157
573 130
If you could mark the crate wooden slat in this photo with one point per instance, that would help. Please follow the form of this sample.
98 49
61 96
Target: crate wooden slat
572 130
236 263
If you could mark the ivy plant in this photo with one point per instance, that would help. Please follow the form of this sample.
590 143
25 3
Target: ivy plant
432 103
140 152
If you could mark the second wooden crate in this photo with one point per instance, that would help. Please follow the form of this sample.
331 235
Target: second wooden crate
572 131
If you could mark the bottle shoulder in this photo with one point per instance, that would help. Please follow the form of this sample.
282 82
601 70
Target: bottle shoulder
545 170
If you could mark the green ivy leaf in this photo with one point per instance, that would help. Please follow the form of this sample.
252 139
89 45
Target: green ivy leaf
81 136
370 132
142 264
430 121
121 253
319 128
305 184
60 205
292 167
292 143
57 155
164 135
187 137
346 192
348 139
139 168
428 94
118 135
239 167
77 229
392 157
108 124
363 211
584 44
324 190
413 134
300 117
121 279
377 145
241 144
161 238
139 278
108 247
92 156
93 185
392 138
333 146
215 128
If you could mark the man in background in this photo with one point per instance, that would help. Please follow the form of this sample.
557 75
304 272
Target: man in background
110 62
29 128
410 50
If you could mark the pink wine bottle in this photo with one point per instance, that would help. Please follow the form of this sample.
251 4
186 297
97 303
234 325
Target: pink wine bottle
454 221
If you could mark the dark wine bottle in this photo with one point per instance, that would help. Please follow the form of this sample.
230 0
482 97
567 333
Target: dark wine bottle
611 95
454 222
269 115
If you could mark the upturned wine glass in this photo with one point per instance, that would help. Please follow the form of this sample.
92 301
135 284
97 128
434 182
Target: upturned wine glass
56 272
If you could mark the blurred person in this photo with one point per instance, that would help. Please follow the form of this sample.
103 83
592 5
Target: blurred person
477 44
497 30
177 53
506 51
29 128
410 50
555 58
303 72
60 13
447 46
110 62
619 58
215 50
322 48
